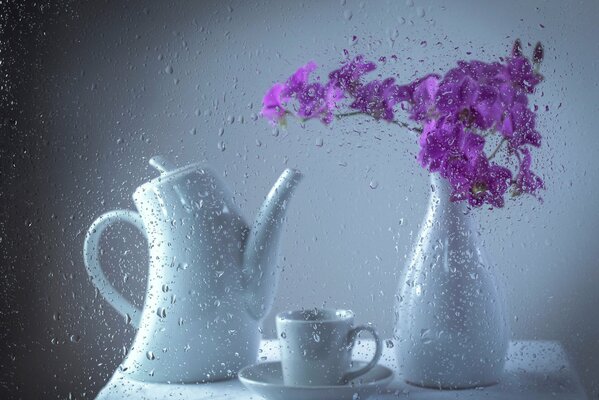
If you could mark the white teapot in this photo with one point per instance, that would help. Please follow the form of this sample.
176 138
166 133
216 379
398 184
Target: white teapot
211 279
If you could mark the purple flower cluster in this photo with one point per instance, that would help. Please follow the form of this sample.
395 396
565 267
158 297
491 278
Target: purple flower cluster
473 106
315 99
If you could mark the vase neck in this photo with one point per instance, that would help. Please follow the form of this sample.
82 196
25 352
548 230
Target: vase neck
441 195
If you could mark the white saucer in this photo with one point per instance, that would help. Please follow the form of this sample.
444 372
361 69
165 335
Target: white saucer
266 380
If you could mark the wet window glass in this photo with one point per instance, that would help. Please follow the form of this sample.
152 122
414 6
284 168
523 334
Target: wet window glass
229 199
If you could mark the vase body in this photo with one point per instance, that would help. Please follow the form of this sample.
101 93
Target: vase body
451 330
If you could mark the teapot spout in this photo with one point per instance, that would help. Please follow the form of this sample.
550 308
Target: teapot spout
260 269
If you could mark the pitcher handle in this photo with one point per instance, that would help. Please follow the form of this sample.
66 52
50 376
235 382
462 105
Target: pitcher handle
352 336
91 256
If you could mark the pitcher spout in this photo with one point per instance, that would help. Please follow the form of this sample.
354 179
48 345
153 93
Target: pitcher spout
260 269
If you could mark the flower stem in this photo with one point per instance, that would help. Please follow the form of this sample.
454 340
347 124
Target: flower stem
400 123
348 114
496 149
407 126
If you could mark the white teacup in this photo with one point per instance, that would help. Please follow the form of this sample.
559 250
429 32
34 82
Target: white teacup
316 347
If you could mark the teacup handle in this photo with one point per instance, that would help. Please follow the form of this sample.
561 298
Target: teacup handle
91 253
351 338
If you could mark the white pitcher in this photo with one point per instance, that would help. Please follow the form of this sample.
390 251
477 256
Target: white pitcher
211 279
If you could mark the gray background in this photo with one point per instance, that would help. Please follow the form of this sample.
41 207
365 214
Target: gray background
113 84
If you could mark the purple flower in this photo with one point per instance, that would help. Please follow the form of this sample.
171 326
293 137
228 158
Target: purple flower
526 180
439 139
478 181
315 100
272 104
332 96
318 101
377 98
349 75
422 95
518 127
470 92
522 75
298 81
458 155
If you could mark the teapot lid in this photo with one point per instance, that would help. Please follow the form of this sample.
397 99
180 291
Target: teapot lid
168 171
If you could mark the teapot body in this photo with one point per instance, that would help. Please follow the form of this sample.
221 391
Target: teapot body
194 325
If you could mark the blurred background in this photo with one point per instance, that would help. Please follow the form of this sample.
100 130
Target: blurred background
91 90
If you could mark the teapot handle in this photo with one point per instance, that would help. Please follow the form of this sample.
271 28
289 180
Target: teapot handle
91 253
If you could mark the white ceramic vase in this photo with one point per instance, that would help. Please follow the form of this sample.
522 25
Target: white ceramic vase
451 330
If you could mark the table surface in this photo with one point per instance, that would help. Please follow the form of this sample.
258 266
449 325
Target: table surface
534 370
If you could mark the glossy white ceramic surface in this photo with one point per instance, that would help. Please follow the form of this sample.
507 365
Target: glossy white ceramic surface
211 278
316 347
266 380
451 328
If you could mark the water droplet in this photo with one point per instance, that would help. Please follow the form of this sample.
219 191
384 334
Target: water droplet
410 3
319 142
151 373
347 14
316 337
374 184
258 143
183 266
420 12
127 319
150 355
180 322
222 146
165 288
283 335
161 312
221 131
389 344
75 338
168 69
